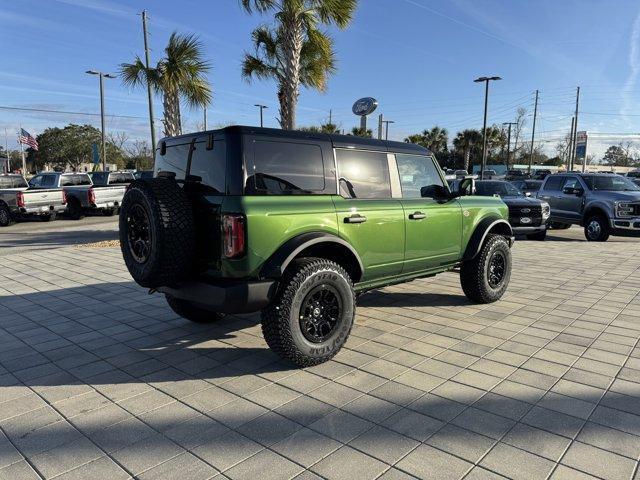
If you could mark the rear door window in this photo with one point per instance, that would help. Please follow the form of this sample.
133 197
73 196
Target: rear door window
363 174
554 183
285 168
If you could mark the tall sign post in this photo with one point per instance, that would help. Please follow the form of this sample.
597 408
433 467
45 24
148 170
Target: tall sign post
363 107
581 148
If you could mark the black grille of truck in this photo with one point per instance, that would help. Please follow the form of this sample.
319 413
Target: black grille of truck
534 213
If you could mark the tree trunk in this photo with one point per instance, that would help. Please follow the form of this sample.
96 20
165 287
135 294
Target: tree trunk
172 120
293 39
467 154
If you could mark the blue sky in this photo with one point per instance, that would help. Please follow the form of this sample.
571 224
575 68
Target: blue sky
417 57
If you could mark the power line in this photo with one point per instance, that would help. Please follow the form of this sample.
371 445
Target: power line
43 110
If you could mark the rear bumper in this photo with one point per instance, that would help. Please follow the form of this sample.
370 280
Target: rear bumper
41 210
226 296
105 205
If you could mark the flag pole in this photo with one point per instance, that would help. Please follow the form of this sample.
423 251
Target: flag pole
6 150
24 162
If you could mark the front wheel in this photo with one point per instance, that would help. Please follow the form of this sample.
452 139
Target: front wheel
596 229
313 312
192 312
485 278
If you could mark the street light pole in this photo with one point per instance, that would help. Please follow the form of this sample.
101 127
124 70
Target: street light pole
386 128
149 92
261 107
103 149
486 81
509 141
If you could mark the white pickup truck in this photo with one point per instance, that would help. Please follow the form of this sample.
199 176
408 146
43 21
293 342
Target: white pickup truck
103 194
18 200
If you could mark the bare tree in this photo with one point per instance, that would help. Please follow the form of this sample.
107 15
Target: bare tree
516 133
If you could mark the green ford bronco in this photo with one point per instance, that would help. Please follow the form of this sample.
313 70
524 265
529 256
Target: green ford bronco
296 224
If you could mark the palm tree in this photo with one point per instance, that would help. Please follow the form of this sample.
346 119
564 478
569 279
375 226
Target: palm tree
436 139
181 74
361 132
295 52
465 142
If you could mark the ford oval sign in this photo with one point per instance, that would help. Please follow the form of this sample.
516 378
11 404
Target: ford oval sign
364 106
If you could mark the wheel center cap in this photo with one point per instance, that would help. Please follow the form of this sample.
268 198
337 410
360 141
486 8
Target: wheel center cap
316 312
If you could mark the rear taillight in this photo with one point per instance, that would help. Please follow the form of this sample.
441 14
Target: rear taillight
233 235
91 196
64 197
20 199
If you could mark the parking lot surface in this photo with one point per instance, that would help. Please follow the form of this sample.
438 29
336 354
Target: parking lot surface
98 379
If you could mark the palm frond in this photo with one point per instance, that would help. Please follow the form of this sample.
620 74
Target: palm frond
134 74
260 6
317 60
253 66
338 12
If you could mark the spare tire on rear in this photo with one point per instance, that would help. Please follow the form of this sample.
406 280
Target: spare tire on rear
157 232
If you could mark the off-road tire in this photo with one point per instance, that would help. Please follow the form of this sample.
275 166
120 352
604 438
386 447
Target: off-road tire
6 218
474 274
539 236
603 233
281 319
191 311
74 209
171 229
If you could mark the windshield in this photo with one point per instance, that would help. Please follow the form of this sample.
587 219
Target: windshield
504 189
611 183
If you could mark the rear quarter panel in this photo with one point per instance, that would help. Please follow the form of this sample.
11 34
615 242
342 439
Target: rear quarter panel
477 208
271 221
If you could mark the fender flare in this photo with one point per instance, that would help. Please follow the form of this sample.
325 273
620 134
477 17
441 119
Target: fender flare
278 262
599 206
486 226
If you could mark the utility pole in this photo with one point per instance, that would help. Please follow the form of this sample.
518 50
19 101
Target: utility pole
6 150
380 127
205 118
509 142
486 81
261 107
386 128
571 146
103 147
533 132
331 116
149 92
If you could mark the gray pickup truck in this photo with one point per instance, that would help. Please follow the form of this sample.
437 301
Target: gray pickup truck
18 200
603 203
103 194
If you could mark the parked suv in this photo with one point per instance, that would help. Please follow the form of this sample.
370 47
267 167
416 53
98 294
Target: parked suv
604 204
295 224
527 216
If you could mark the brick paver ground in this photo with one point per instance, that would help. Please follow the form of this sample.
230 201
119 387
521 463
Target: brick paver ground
100 380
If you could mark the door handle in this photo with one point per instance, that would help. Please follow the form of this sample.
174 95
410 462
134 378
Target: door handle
417 216
355 218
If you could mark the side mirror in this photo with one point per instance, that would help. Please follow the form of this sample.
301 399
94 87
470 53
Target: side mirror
466 187
437 192
572 191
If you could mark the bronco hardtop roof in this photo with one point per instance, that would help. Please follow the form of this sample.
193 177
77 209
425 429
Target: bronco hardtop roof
338 141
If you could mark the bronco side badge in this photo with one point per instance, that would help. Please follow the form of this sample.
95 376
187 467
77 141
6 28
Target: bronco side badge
465 213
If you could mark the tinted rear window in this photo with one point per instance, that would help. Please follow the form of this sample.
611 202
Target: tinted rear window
209 165
281 168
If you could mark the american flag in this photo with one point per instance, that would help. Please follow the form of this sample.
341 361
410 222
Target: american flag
27 139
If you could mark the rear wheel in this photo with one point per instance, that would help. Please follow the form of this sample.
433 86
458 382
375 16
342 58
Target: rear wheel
5 216
48 217
596 229
74 209
485 278
540 236
109 212
312 315
191 311
559 226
